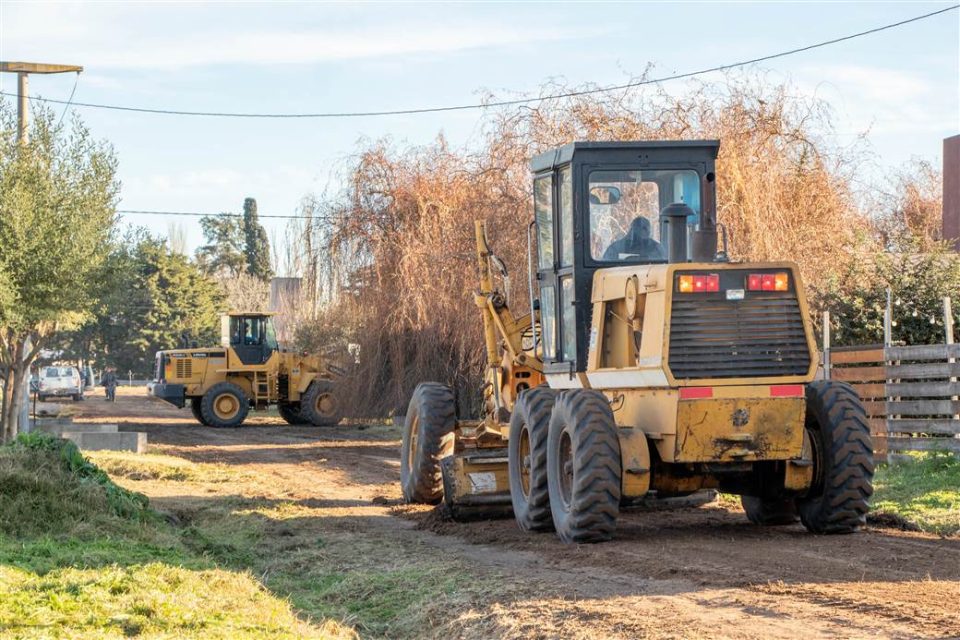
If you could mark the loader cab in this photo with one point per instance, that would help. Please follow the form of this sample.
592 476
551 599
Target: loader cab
251 336
608 204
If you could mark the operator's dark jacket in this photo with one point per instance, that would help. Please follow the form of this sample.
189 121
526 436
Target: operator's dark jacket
637 242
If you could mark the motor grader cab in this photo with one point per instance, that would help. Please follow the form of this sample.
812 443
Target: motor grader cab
249 370
666 369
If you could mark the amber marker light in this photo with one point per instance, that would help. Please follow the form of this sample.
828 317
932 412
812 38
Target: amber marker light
780 282
685 284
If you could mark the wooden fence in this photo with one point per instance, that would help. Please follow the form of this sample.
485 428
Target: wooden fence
910 393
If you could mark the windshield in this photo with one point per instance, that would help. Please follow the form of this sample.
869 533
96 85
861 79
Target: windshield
55 372
252 330
625 210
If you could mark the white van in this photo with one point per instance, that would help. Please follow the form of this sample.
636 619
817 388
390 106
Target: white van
59 382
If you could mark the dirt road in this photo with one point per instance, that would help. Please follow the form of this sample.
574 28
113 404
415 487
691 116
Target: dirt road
688 573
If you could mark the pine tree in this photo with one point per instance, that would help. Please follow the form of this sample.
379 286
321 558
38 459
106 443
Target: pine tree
257 247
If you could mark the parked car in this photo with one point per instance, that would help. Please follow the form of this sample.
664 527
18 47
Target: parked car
59 382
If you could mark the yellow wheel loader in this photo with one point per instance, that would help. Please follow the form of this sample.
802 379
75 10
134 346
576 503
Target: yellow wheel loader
653 366
248 371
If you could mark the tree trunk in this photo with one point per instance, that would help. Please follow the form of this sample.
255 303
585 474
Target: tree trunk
15 388
4 403
15 402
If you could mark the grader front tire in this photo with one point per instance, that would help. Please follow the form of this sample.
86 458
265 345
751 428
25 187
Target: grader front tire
842 460
427 439
583 467
224 405
527 459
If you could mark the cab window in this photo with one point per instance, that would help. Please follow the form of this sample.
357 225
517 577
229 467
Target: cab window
566 218
625 207
543 211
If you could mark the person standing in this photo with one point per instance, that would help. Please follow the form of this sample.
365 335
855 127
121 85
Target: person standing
110 384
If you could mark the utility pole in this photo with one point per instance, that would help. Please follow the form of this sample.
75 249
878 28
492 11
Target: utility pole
23 71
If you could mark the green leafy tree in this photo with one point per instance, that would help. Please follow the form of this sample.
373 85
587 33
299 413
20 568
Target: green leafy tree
918 282
224 253
57 210
257 247
151 299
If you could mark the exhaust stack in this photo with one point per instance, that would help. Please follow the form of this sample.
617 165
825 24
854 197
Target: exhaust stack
675 215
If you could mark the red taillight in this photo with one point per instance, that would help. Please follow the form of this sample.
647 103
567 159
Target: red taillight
768 282
708 283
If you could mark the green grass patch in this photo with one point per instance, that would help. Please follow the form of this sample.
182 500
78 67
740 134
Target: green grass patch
81 557
143 600
388 602
46 485
923 491
140 467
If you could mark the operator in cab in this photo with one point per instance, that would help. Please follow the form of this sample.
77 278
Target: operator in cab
636 243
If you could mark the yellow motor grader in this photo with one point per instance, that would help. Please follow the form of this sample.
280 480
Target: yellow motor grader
652 367
248 370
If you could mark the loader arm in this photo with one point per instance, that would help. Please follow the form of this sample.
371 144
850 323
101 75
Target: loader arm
501 328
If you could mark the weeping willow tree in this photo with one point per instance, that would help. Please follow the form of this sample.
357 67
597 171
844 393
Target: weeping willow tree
398 240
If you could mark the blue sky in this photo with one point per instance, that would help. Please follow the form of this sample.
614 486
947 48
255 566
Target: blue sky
902 85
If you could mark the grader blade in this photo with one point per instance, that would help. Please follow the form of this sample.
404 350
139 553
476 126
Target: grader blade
476 485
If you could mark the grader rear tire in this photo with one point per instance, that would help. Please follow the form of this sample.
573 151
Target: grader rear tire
527 459
427 439
770 513
837 502
224 405
583 467
319 405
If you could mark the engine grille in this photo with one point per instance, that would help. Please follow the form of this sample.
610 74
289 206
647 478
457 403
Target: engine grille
184 367
759 336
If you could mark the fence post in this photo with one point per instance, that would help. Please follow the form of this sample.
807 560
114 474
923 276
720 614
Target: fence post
887 341
888 320
948 327
826 345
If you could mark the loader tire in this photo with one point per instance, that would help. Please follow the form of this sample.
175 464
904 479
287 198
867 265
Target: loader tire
527 459
319 406
838 500
224 405
427 439
291 414
583 467
196 411
770 513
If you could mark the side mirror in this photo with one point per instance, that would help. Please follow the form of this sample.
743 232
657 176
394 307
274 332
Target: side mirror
604 195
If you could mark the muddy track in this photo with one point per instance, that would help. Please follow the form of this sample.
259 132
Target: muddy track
695 572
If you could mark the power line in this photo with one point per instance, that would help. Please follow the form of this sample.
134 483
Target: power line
213 215
76 81
500 103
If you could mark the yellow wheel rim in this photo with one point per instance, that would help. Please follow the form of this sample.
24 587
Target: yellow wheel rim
525 460
414 434
226 406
